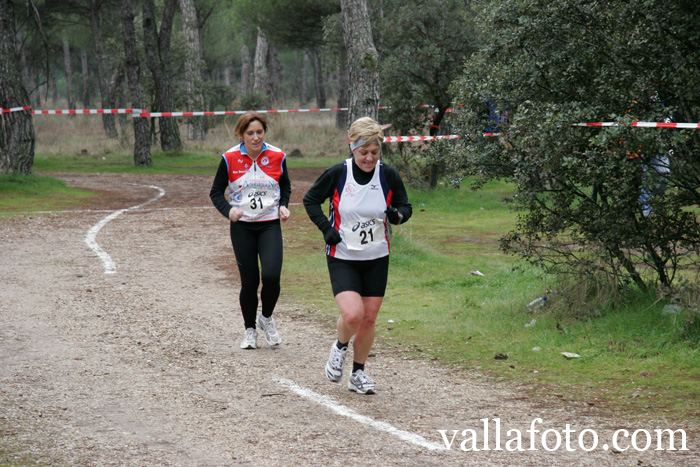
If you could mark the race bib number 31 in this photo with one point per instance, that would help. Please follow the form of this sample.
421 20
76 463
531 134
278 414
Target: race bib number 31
257 201
360 235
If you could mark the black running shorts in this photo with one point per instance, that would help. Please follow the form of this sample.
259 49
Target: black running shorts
368 278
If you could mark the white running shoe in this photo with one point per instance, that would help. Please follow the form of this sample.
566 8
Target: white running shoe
334 365
272 337
361 383
250 339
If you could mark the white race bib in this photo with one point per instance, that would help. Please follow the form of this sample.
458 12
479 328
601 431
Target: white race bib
363 234
256 201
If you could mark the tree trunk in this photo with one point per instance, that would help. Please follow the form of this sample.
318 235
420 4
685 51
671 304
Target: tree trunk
42 89
341 118
25 66
436 166
229 78
629 267
103 70
260 72
319 83
86 77
362 59
16 128
205 74
142 139
232 77
53 89
305 77
157 47
115 88
245 70
303 70
193 69
275 69
68 66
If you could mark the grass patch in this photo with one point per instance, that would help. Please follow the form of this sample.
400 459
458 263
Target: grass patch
32 193
163 163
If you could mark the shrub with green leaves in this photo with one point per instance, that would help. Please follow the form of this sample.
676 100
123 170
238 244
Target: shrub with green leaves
546 65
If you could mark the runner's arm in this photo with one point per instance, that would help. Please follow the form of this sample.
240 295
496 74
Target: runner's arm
285 186
320 191
399 199
218 189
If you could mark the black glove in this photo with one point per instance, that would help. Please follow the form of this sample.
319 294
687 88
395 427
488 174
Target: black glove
332 236
393 215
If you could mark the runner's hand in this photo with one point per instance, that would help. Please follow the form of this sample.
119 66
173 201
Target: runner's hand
393 215
284 213
332 236
235 214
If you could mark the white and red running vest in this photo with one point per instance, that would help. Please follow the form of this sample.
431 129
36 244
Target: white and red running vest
357 213
254 184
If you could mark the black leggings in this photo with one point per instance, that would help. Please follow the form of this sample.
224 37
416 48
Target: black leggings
250 240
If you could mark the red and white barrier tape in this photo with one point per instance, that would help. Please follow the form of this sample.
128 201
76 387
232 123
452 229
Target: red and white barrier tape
406 139
147 114
87 111
691 126
230 112
239 112
14 109
402 139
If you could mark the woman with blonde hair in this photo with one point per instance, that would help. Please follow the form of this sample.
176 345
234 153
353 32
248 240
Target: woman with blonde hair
256 175
365 195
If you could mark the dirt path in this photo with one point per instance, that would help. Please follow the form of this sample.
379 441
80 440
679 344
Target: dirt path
142 367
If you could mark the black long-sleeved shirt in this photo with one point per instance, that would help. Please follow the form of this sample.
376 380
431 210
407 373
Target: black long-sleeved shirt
324 187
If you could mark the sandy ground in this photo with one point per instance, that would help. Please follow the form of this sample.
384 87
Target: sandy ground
142 366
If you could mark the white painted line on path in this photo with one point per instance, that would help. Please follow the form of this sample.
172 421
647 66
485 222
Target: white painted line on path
110 267
347 412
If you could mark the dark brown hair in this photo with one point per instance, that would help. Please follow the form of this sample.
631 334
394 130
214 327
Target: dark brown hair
246 119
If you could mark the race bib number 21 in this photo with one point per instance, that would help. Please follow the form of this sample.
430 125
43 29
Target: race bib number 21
360 235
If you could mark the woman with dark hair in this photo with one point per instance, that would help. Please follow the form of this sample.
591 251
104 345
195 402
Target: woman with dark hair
256 175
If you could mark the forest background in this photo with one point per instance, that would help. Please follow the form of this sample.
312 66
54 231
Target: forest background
608 215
